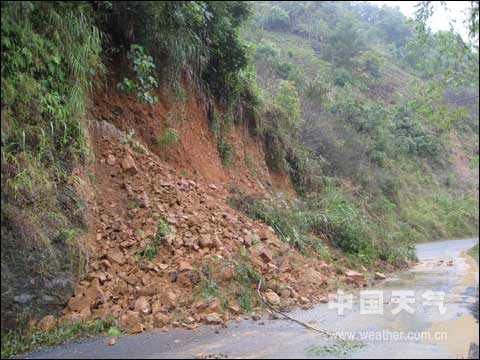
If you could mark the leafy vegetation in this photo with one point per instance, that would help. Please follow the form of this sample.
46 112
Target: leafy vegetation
148 252
375 112
15 343
51 52
170 135
226 151
144 82
474 252
163 229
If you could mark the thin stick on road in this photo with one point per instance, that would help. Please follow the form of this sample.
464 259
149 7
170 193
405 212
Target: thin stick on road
308 326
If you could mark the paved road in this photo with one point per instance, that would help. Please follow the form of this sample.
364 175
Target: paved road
383 336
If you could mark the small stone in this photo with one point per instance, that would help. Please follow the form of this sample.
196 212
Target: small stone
184 280
274 316
380 276
200 306
112 342
323 299
116 255
235 309
184 266
128 165
78 303
213 319
157 307
131 322
111 160
160 320
47 323
266 255
285 293
215 306
189 320
272 268
143 200
206 241
23 298
227 273
262 234
304 300
354 275
142 306
173 276
170 300
272 298
248 241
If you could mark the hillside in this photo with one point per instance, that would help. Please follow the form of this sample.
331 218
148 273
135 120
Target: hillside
159 159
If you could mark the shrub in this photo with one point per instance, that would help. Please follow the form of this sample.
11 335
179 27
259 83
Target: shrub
226 151
135 145
287 100
144 81
163 229
170 135
148 252
277 18
342 77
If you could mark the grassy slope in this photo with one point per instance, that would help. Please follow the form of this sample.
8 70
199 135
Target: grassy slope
431 203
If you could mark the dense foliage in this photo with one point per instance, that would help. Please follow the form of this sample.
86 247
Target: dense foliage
380 100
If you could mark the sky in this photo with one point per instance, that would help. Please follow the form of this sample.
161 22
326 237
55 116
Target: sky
441 18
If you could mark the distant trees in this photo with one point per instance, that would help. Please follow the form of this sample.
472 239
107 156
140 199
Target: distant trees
344 42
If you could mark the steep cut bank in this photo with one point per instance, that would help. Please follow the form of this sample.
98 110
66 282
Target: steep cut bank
195 151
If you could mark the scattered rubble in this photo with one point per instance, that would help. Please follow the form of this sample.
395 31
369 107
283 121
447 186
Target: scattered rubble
153 232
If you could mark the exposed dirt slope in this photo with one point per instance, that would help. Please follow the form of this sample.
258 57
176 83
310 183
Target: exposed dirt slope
196 152
211 245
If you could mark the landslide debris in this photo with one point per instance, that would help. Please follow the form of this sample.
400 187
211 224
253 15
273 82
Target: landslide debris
170 251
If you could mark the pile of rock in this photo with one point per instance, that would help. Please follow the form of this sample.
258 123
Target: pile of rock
135 192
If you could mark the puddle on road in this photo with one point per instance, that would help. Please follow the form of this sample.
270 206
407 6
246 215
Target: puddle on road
463 331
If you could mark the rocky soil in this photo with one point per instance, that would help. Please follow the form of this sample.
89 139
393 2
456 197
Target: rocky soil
202 262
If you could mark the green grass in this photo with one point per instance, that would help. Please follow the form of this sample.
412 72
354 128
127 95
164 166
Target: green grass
148 252
15 342
336 349
473 252
163 229
170 135
335 214
226 151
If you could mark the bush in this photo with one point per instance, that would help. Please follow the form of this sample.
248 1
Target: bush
148 252
144 81
226 151
163 229
277 18
288 102
342 77
170 135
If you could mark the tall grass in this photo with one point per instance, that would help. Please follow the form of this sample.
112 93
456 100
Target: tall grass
50 55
